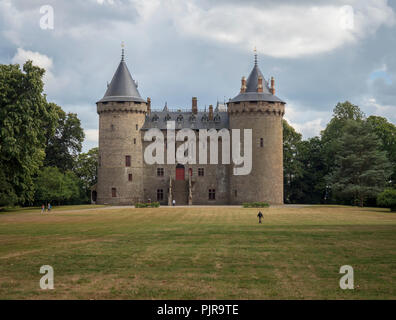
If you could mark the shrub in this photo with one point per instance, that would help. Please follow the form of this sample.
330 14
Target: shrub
147 205
255 205
387 199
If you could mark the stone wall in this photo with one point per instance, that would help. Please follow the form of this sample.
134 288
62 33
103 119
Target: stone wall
265 182
119 136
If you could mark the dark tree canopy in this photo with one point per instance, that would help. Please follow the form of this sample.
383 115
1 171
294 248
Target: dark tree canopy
64 146
386 131
26 119
54 186
361 168
292 166
86 168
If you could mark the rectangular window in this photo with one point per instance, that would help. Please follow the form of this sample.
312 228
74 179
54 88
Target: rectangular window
130 177
201 172
160 194
160 172
137 127
261 142
134 140
127 161
235 193
113 192
212 194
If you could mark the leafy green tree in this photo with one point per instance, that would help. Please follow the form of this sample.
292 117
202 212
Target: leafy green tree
386 131
54 186
361 168
387 199
292 167
86 169
330 137
313 181
63 146
25 120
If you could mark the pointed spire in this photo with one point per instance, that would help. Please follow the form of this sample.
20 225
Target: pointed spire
255 56
166 106
122 51
122 87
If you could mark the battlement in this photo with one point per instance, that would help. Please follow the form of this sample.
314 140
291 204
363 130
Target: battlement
125 106
257 107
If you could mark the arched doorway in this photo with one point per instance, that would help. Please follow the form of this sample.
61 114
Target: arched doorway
180 172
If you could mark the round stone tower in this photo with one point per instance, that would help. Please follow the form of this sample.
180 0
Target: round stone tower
256 107
121 115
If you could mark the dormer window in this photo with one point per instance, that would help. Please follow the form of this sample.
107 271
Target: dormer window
217 118
204 118
155 118
192 118
167 117
179 118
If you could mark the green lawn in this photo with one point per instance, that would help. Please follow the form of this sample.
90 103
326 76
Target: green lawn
199 253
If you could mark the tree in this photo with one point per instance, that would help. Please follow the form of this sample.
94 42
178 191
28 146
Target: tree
63 146
330 137
361 169
387 198
53 185
313 181
25 120
386 131
86 169
292 167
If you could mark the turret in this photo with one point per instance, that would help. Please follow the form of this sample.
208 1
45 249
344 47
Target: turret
121 115
257 108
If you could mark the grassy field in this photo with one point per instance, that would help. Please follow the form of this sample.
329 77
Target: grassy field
199 253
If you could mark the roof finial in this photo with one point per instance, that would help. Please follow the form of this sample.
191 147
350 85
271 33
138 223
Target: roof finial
122 50
255 56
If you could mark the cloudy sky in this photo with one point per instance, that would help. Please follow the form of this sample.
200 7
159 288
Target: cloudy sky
320 52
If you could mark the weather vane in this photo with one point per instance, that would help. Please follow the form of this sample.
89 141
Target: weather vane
255 55
122 50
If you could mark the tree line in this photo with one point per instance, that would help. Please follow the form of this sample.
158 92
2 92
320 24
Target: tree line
40 144
352 161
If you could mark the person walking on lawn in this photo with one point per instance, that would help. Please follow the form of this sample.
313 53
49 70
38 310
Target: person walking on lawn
260 216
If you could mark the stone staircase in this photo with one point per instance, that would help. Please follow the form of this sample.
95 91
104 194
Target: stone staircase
180 192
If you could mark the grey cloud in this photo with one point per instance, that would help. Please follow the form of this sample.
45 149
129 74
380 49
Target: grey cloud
172 66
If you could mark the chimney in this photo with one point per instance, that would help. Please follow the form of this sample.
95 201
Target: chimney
243 85
194 105
272 85
260 84
148 105
210 112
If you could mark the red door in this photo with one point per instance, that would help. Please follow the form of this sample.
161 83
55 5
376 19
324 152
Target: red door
179 173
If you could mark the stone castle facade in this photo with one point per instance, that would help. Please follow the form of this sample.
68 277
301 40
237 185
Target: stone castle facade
124 178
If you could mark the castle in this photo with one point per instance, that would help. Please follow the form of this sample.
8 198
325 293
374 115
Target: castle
124 178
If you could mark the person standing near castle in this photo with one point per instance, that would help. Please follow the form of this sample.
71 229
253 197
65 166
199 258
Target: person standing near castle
42 208
260 216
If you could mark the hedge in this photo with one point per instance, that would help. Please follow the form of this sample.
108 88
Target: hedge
147 205
255 205
387 199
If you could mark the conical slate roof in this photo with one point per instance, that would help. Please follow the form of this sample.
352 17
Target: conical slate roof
252 81
251 93
122 87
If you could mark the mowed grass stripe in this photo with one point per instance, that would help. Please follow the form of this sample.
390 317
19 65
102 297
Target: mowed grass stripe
199 253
